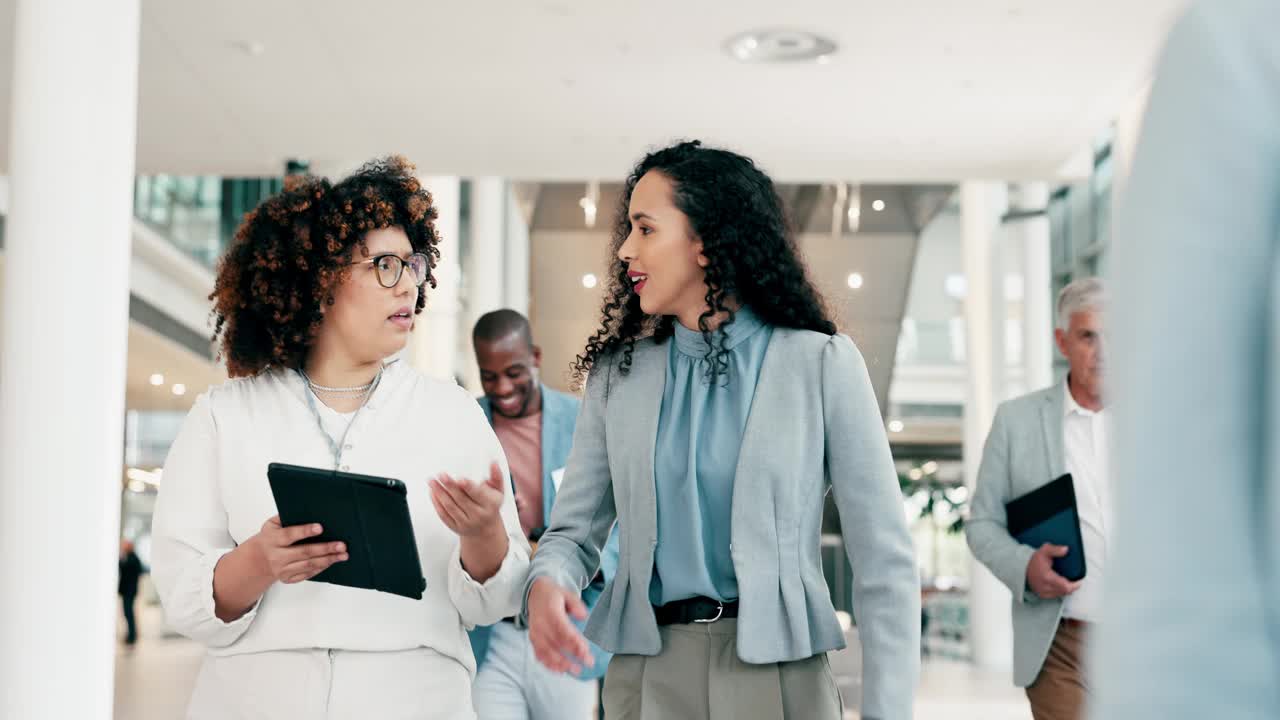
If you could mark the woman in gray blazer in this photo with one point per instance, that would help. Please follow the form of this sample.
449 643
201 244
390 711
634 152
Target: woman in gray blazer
720 408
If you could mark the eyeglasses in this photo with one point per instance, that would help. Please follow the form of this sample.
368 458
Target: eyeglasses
390 267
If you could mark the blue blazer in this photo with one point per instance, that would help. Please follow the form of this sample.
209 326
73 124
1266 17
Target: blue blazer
559 417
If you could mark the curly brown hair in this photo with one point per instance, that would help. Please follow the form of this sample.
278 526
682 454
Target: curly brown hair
293 250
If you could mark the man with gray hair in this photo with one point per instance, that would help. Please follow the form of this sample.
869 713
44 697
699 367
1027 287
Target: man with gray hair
1034 440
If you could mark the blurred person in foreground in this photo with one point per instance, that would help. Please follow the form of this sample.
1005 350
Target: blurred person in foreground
1193 609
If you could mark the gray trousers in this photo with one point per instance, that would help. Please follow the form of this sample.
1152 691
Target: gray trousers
698 676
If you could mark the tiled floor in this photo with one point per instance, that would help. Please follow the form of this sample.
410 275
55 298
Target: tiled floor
154 680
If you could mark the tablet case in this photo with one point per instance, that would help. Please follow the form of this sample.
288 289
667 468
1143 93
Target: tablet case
370 514
1049 514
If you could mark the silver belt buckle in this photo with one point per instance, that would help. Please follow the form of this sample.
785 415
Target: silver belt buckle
719 614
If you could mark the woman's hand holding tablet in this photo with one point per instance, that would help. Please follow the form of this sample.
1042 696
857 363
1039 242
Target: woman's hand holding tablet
280 557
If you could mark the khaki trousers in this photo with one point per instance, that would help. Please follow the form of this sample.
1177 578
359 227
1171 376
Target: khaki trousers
1060 692
698 676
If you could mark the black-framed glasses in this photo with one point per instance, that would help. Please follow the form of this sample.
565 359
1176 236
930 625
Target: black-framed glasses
389 267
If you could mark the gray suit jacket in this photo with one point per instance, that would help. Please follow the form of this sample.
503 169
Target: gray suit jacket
814 422
1024 451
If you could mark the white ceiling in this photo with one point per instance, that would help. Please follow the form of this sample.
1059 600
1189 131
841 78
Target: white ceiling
554 89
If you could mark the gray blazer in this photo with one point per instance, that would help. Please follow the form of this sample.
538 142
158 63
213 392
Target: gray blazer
1024 451
814 422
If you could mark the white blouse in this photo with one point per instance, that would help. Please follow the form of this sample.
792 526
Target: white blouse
214 495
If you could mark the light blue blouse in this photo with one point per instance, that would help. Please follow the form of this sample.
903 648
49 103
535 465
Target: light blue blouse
700 430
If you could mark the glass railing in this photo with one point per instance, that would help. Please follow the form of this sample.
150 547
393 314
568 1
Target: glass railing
931 343
942 343
200 213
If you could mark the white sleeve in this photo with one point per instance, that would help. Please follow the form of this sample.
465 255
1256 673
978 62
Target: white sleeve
498 597
189 534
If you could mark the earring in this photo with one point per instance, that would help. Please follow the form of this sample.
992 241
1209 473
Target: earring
328 300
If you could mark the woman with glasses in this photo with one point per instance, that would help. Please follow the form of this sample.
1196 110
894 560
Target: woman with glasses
313 300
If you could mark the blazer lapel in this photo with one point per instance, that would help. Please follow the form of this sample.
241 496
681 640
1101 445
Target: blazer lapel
1051 422
755 436
635 401
555 419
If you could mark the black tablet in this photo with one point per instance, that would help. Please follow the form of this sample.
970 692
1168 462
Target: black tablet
369 514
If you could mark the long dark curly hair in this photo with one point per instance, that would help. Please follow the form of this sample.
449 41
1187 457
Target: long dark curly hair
292 251
735 211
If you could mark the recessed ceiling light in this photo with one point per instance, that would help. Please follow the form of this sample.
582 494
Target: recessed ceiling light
824 60
589 281
157 380
855 280
780 45
179 389
895 426
878 205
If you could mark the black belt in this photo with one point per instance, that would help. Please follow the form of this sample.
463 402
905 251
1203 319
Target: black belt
695 610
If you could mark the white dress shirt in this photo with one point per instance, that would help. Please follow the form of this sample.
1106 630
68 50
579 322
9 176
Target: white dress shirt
1085 442
214 495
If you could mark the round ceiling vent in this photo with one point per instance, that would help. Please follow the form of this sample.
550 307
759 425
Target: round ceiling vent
779 46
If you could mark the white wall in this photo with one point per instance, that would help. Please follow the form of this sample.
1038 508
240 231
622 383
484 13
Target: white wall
937 318
872 314
562 312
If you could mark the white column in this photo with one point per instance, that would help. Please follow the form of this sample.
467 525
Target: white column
991 635
487 280
433 348
1032 201
518 258
66 315
486 277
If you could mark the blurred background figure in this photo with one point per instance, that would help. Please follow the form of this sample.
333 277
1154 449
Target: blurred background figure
534 425
131 571
1034 440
